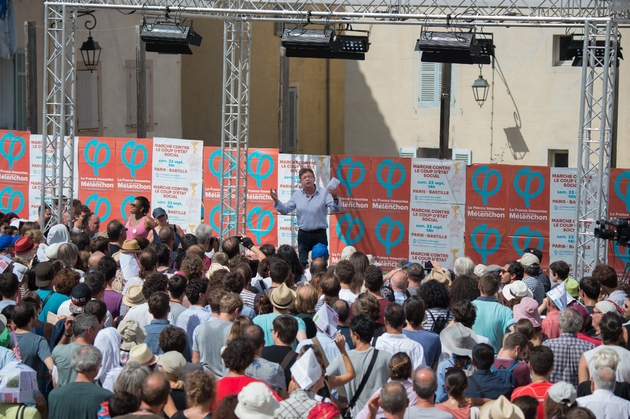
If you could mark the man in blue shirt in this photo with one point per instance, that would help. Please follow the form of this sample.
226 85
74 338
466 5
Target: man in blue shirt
483 383
159 308
311 203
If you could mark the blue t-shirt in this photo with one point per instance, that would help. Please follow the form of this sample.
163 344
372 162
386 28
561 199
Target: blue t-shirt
52 304
265 321
430 342
492 320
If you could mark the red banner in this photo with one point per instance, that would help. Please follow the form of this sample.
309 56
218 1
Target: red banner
14 172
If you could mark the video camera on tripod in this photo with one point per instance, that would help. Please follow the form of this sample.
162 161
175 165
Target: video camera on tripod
615 229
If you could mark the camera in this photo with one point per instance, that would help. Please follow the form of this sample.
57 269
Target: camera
615 229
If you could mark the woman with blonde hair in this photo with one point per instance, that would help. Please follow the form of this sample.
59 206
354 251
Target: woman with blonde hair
200 393
304 308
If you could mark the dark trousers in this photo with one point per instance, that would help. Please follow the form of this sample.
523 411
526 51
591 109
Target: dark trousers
306 242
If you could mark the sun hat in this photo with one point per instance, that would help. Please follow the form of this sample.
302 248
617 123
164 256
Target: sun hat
44 274
479 269
173 363
528 259
516 289
24 245
131 333
255 401
527 309
606 307
458 339
79 298
347 252
319 251
282 297
143 355
563 393
134 297
131 246
158 212
500 408
438 276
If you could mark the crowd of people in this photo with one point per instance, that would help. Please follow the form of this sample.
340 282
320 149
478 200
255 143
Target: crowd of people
144 320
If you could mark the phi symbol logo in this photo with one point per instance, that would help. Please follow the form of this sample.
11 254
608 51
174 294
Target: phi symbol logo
138 156
12 148
484 190
624 194
345 227
93 155
260 222
528 236
531 177
349 182
101 206
396 171
261 160
485 241
392 227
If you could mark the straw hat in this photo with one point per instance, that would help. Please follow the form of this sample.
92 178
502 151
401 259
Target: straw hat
134 297
131 333
143 355
501 408
131 246
282 297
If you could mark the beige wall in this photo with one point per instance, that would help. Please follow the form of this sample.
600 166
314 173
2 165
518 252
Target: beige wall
115 33
202 86
382 112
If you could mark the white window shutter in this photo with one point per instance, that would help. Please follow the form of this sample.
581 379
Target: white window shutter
462 154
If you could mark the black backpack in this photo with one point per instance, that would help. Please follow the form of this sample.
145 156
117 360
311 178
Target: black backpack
440 323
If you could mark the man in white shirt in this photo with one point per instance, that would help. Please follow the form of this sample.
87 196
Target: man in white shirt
140 313
345 272
394 341
603 403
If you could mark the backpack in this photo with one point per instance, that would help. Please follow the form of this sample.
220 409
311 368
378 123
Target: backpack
440 323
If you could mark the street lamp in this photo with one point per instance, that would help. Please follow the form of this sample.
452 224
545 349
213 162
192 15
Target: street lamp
480 89
90 50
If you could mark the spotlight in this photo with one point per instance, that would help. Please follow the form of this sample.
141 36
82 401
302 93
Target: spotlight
323 43
576 50
170 37
455 48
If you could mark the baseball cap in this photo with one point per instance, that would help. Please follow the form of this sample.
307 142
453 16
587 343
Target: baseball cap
79 297
319 251
7 241
562 392
158 212
528 259
44 274
173 363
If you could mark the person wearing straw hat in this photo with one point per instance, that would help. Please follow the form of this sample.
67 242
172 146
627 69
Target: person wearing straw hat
282 299
128 259
501 408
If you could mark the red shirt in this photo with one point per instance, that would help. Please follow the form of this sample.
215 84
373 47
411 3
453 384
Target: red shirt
587 338
550 325
228 386
536 390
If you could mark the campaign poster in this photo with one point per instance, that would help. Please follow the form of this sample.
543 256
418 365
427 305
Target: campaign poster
562 211
388 238
528 207
133 166
487 213
351 227
436 217
35 178
289 166
212 187
14 172
97 175
262 176
618 208
177 180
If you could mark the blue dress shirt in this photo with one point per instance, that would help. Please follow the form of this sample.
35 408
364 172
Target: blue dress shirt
311 212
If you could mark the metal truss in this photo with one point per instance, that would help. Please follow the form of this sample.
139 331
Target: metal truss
58 111
235 133
597 103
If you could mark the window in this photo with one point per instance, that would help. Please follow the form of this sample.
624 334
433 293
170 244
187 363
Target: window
290 141
558 158
561 44
20 90
13 92
88 105
132 95
430 84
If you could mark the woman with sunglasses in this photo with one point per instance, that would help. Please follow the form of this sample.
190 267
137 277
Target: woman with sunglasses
139 224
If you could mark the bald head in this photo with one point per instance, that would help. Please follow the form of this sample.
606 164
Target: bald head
425 384
399 281
167 235
394 398
318 265
94 259
155 391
